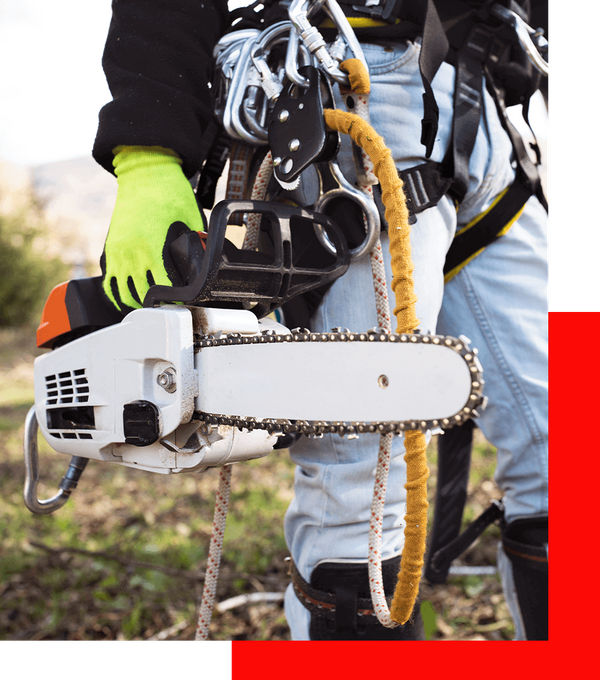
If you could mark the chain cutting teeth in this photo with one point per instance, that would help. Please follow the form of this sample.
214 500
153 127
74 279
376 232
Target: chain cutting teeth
317 428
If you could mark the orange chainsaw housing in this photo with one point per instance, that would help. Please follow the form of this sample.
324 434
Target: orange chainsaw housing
73 309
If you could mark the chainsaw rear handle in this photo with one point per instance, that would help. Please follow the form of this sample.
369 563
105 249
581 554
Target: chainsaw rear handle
67 484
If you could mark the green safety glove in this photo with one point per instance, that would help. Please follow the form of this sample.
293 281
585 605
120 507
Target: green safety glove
155 204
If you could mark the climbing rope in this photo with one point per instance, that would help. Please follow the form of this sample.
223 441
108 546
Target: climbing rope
382 166
357 100
259 190
211 575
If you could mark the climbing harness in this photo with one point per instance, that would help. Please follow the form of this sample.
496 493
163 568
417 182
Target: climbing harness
493 40
374 161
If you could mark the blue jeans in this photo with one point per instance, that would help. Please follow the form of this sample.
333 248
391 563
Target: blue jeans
498 301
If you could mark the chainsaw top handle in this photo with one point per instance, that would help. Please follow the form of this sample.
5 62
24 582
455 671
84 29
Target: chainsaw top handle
291 261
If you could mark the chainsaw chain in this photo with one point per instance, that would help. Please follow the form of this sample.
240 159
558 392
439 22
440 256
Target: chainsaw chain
317 428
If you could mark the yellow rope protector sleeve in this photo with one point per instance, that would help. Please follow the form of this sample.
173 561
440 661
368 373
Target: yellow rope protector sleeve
357 75
396 214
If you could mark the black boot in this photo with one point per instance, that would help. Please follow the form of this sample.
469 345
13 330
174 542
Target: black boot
525 543
340 605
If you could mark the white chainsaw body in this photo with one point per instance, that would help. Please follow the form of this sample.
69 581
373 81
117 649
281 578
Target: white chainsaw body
149 368
121 364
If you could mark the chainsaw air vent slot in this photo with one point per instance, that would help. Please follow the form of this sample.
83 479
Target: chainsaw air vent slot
71 435
67 387
71 418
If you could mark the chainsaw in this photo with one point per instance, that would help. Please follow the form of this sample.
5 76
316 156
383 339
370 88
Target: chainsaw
203 375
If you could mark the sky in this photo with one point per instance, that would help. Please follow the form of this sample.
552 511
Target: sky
51 80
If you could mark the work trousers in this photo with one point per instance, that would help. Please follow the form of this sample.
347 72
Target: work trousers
498 301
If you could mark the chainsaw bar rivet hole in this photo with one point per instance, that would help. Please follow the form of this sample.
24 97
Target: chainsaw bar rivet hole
383 381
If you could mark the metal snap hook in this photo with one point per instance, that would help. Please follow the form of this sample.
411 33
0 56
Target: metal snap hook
67 484
526 36
346 190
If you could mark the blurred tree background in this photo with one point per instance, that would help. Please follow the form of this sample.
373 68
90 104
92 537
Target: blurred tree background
28 266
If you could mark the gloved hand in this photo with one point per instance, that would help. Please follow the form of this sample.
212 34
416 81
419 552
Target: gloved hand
155 204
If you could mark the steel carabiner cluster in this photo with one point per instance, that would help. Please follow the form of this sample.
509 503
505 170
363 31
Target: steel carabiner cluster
271 88
251 66
249 72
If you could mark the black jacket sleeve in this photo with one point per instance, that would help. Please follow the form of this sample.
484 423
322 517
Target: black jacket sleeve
158 64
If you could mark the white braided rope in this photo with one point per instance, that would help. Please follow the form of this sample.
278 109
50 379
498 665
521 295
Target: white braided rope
383 459
366 175
259 189
214 554
366 180
380 605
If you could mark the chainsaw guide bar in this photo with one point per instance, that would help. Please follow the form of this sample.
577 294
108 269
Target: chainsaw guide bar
317 428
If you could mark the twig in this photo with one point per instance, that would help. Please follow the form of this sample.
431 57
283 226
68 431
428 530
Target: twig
250 598
168 632
460 570
171 571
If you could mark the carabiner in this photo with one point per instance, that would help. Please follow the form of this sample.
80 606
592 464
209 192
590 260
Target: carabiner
298 13
336 14
67 484
231 115
526 36
291 60
253 86
227 55
346 190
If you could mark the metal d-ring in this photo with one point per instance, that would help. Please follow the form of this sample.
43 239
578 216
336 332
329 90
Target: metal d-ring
346 190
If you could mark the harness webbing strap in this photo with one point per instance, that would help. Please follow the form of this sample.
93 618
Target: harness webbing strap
486 228
468 95
434 50
453 465
424 186
441 559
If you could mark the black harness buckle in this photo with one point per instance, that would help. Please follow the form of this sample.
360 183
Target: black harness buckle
387 11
